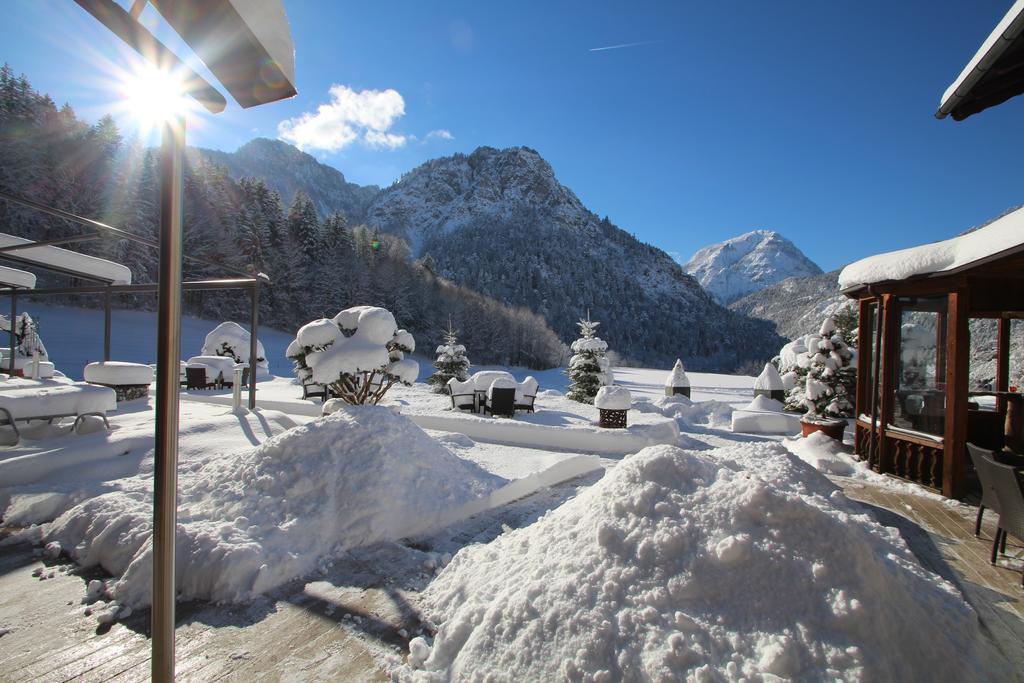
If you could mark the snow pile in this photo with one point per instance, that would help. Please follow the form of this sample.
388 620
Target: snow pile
613 398
687 411
769 379
253 520
677 378
764 415
1002 234
824 454
739 563
231 339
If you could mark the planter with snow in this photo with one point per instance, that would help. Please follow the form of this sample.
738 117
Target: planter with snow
769 383
612 403
128 380
677 383
832 427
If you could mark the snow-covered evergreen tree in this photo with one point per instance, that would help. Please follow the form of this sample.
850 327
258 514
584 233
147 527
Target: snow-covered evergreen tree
26 336
589 369
824 374
451 361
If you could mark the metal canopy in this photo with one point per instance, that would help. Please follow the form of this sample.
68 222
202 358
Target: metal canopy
12 277
70 263
247 44
994 75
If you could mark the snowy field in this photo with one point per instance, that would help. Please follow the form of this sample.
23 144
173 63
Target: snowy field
675 548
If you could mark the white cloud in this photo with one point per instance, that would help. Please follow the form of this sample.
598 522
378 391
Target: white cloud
366 115
440 133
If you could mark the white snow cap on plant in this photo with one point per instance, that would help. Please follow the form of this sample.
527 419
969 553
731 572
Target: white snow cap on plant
232 338
322 332
613 398
769 379
677 378
366 350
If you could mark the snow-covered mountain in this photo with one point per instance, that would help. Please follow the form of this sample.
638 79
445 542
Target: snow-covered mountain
758 259
287 169
500 222
797 305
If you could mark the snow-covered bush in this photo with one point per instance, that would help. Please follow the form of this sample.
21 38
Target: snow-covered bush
589 368
820 372
26 337
232 340
359 354
451 362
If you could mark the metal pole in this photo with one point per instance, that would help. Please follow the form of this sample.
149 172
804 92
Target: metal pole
876 429
14 316
165 483
254 328
106 325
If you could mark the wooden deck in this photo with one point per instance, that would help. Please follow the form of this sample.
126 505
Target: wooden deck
301 632
942 538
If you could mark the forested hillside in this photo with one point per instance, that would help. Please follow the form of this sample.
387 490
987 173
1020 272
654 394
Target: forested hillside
317 264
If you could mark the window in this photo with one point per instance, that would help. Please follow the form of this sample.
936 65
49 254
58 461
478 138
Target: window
920 382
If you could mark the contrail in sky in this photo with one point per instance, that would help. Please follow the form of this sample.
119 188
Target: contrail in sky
616 47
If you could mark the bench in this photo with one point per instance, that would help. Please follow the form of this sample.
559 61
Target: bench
78 400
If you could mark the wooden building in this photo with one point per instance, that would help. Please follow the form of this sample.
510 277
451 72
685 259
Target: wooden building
915 407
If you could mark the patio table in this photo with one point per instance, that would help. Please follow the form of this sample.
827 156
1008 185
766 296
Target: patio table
482 382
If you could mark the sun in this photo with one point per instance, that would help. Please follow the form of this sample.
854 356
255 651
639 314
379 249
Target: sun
153 96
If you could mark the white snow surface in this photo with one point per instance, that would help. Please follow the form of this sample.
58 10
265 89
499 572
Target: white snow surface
254 520
740 562
613 398
1002 234
17 278
677 378
54 398
764 415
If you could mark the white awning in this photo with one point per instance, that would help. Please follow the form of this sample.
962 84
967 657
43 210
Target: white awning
12 277
65 261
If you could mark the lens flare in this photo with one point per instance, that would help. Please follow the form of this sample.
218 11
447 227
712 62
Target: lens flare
154 96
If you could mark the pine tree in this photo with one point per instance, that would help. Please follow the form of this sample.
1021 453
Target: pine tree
451 361
588 368
825 374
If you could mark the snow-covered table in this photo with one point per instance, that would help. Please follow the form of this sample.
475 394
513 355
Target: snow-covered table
483 380
54 401
128 380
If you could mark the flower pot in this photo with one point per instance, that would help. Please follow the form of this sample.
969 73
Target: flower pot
832 428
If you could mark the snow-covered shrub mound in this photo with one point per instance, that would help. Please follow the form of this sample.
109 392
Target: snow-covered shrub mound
249 523
689 412
231 339
678 565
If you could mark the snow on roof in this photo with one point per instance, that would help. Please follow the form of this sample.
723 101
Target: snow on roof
83 265
13 277
769 379
677 378
1002 234
994 46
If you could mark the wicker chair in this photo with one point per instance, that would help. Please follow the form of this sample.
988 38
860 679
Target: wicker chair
501 398
1011 507
526 394
986 475
311 390
462 394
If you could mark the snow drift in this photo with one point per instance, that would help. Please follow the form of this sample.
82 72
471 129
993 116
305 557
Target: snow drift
251 522
676 565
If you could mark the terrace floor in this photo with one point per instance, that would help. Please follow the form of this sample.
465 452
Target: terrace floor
942 537
302 632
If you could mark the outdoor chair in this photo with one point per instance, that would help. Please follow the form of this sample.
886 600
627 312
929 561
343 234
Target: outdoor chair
501 398
462 395
195 378
526 394
311 390
230 383
1011 507
986 475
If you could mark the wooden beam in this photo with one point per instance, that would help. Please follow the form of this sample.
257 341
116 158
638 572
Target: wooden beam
1002 362
890 353
957 369
864 336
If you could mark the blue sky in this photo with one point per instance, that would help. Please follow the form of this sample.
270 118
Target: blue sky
812 119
